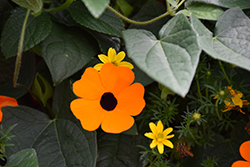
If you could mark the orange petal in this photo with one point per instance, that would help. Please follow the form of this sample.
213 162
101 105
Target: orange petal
245 150
89 112
115 122
7 101
241 164
89 86
130 100
115 79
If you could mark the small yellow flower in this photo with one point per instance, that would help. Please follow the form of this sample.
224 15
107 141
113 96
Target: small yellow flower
160 137
196 116
113 58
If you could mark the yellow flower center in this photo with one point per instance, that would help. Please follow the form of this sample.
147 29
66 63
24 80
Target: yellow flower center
115 63
196 116
160 137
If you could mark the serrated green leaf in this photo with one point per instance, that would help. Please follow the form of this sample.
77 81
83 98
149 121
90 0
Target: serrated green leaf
42 89
148 11
243 4
34 5
119 150
25 78
231 42
58 142
37 29
25 158
107 23
205 11
96 7
66 50
171 60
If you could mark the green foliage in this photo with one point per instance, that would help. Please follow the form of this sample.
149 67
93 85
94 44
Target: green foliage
185 54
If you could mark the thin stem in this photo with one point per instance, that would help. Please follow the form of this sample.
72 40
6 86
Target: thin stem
216 109
60 8
198 87
179 4
224 72
137 22
20 49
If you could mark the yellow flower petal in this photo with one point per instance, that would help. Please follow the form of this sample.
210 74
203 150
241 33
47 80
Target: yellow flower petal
160 147
237 101
168 143
169 136
111 55
149 135
120 56
126 64
103 58
98 66
167 131
153 144
153 127
159 127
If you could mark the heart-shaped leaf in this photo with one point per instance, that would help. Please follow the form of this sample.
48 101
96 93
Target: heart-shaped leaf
36 30
171 60
231 42
67 50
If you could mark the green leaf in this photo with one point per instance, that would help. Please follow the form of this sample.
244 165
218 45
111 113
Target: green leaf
148 11
5 11
107 23
125 7
25 78
66 50
119 150
243 4
37 29
96 7
34 5
25 158
205 11
231 42
172 2
171 60
42 89
58 142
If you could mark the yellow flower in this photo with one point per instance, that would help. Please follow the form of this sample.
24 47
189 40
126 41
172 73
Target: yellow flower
234 102
160 137
113 58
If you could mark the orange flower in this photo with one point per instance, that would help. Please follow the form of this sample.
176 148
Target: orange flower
244 152
107 98
6 101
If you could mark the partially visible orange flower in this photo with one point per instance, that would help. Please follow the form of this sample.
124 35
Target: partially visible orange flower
183 149
6 101
107 98
245 153
234 102
113 58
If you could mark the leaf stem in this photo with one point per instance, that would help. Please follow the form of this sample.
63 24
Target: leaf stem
60 8
20 49
224 72
216 109
198 87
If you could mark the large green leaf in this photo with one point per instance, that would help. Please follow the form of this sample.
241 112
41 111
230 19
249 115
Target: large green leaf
119 150
205 11
231 41
37 29
58 142
170 60
225 3
66 50
107 23
25 158
96 7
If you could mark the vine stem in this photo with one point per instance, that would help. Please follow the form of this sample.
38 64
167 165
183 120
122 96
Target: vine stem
198 87
224 72
20 49
216 109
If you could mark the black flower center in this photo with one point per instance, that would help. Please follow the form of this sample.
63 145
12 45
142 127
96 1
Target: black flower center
108 101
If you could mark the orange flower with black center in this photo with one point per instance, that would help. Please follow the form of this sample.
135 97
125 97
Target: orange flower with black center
245 153
107 98
6 101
